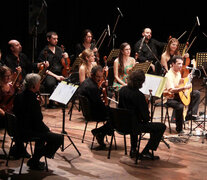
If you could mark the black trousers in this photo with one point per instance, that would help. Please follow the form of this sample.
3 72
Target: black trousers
47 144
156 131
178 106
50 84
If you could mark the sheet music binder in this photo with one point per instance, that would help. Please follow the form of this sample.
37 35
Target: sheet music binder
201 59
154 83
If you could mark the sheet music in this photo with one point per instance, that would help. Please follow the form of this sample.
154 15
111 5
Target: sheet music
63 92
154 83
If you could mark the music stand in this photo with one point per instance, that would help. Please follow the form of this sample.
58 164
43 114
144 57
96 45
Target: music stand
142 66
201 59
62 94
113 54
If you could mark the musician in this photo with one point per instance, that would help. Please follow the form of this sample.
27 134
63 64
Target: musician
17 60
88 62
122 66
172 49
174 81
7 95
143 53
52 59
86 43
30 122
99 112
130 97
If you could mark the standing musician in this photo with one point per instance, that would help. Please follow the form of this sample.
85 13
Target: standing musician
88 62
99 111
172 49
175 85
122 66
87 43
7 94
142 51
52 62
130 97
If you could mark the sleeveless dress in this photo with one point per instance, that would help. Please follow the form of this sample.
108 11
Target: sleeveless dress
123 77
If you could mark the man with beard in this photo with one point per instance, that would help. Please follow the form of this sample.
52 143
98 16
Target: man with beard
51 56
147 49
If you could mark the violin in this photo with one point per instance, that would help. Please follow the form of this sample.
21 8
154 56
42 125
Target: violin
102 83
42 67
65 63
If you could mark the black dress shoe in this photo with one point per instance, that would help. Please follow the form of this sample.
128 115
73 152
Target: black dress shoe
148 155
133 153
100 139
35 165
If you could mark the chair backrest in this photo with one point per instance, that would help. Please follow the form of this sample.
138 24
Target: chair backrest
121 120
85 106
74 78
110 76
11 125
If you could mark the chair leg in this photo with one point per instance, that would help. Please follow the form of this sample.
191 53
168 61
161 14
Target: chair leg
168 118
125 146
46 165
8 156
109 152
115 142
94 136
138 147
4 138
84 131
20 170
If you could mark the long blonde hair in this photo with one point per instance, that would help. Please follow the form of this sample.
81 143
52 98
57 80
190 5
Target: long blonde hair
84 55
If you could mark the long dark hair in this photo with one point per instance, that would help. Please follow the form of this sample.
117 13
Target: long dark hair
121 64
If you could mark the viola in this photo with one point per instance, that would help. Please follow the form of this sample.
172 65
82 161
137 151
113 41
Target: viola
65 63
42 67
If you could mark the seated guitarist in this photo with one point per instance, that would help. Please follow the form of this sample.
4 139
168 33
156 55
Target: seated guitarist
174 85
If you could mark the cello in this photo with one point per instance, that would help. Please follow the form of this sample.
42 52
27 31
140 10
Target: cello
65 63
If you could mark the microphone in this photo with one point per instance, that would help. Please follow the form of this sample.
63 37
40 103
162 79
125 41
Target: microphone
141 44
44 2
120 12
108 30
198 21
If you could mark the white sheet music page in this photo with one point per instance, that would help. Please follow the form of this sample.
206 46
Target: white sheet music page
63 92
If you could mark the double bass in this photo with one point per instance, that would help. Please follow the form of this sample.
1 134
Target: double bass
65 63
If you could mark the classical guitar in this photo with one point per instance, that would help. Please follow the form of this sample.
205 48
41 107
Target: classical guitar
185 94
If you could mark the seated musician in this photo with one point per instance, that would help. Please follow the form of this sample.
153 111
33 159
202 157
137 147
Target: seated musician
51 56
131 98
122 66
30 122
88 62
8 92
172 49
173 86
99 112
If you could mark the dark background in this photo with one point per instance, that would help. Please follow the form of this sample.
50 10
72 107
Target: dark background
69 18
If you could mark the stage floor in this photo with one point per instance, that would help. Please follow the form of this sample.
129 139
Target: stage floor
186 158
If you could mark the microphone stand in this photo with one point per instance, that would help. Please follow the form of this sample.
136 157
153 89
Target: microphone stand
113 37
35 31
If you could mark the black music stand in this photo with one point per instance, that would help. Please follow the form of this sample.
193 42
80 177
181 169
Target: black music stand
62 94
142 66
112 55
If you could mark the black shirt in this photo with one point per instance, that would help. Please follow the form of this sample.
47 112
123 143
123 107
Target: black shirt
145 53
89 89
53 59
12 62
134 100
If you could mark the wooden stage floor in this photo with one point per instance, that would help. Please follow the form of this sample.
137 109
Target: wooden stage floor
186 159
